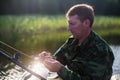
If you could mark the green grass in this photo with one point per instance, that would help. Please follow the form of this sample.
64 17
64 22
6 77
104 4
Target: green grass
107 22
33 22
35 33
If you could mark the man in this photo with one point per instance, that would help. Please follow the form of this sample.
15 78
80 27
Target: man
85 55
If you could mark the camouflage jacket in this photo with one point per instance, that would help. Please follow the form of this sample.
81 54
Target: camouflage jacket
92 60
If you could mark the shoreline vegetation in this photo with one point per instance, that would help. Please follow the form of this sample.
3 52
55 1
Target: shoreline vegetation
35 33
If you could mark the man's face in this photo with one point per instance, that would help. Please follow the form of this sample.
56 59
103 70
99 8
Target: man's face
76 27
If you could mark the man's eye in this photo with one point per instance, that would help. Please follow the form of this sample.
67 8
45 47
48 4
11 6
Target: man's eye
71 23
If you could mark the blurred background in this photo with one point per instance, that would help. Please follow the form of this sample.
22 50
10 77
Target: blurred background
32 26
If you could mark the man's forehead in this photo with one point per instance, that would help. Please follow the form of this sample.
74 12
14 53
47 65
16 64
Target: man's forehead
74 17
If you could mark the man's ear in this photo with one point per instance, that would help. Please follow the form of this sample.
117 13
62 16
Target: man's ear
86 23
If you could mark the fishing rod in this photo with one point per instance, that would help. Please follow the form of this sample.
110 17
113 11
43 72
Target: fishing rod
15 58
15 61
2 44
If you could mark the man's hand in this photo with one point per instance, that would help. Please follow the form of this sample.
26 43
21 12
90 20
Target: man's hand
50 63
43 55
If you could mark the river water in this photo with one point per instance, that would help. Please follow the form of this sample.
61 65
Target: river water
116 65
16 72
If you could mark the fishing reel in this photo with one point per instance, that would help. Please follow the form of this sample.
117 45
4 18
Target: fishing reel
16 56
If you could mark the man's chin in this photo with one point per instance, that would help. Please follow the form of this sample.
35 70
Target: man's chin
75 37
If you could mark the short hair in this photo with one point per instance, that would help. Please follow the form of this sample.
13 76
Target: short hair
84 11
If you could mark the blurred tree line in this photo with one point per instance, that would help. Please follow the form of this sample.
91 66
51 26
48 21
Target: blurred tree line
102 7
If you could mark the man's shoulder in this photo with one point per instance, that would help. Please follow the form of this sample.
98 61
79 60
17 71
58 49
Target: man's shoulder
100 43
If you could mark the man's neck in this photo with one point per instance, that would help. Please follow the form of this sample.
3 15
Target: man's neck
81 39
